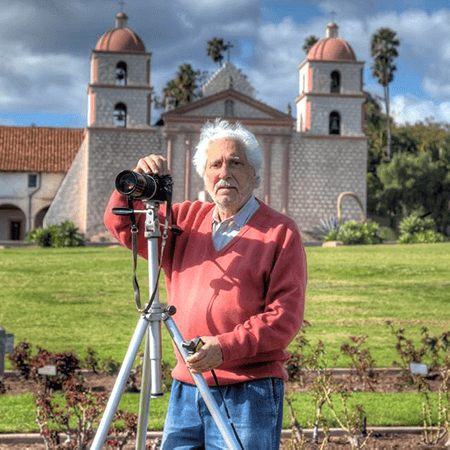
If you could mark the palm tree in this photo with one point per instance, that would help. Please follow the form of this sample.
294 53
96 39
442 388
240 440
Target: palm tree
183 88
309 42
215 49
384 50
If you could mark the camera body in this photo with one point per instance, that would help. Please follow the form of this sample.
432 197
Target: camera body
139 186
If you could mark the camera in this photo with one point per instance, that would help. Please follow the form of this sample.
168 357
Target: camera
139 186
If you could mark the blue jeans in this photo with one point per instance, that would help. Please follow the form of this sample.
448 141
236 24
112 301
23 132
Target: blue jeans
255 407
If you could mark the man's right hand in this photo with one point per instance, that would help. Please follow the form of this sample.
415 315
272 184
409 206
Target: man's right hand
153 164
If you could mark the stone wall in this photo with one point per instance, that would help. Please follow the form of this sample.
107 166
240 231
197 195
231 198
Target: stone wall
228 76
135 100
70 200
350 77
106 65
320 170
110 152
349 110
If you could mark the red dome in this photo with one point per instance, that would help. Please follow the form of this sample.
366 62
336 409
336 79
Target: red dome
120 39
331 48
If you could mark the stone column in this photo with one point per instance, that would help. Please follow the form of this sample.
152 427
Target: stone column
286 141
267 150
187 168
170 138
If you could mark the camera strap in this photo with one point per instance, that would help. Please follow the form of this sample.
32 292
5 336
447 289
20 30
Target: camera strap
134 232
165 235
236 435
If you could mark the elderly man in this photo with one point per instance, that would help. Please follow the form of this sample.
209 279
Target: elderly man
237 276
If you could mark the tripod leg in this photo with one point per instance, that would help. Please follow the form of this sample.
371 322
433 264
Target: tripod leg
144 399
224 427
151 386
120 384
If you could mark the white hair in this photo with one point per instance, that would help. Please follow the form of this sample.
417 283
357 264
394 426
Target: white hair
222 129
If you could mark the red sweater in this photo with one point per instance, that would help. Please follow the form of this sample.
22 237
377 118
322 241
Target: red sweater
250 294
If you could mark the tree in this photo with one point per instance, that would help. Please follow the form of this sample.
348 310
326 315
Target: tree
430 137
403 141
215 49
376 131
184 88
309 42
416 184
384 50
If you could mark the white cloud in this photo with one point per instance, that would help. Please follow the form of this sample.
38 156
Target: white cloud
185 21
207 7
46 82
242 28
22 61
436 88
444 110
49 65
406 108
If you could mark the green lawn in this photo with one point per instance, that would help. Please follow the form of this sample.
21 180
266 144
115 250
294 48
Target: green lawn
18 413
72 299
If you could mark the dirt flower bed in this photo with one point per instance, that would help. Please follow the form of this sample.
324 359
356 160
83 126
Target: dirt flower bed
383 380
379 442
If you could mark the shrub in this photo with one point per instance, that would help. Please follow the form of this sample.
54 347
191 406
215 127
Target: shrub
63 235
67 364
423 237
416 230
326 227
413 224
77 416
69 236
354 233
20 359
387 234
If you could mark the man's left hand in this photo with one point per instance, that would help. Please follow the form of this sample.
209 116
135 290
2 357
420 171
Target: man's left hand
207 358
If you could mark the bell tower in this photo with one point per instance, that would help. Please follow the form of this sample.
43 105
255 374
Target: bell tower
331 97
119 93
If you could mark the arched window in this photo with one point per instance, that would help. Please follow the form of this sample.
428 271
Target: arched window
121 74
335 123
120 115
335 82
229 108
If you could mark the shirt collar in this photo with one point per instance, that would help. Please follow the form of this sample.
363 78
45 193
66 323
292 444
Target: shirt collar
241 217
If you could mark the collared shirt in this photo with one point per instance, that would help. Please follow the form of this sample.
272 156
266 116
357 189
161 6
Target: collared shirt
225 231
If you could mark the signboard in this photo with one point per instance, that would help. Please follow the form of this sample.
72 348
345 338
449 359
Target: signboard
418 369
9 345
49 371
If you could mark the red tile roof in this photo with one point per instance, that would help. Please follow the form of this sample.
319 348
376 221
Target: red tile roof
38 149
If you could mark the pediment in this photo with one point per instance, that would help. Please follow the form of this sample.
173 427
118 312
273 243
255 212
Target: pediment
228 104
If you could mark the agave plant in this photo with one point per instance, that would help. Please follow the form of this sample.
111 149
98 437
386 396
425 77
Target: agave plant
326 225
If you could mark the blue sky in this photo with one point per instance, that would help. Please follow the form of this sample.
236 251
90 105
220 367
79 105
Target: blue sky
45 49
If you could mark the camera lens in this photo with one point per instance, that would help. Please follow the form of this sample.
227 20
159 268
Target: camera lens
140 186
126 182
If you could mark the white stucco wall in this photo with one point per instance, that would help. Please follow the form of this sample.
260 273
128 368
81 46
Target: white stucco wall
14 191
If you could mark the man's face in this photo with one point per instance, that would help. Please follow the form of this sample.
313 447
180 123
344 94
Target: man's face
229 178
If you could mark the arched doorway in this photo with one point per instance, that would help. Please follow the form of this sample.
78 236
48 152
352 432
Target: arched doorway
12 223
39 217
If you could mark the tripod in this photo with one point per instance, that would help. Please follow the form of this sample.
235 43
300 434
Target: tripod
149 324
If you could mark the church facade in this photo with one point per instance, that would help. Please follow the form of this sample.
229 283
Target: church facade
308 161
